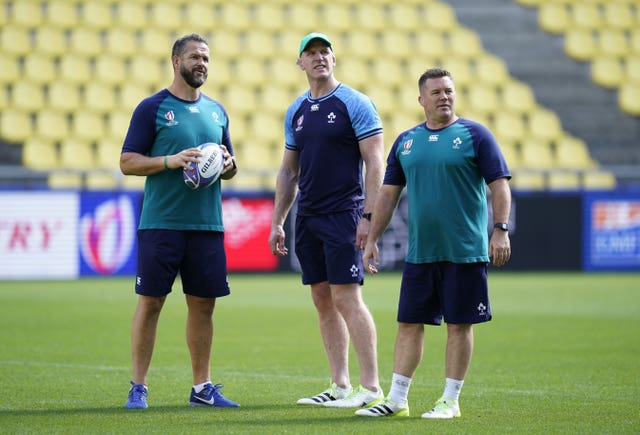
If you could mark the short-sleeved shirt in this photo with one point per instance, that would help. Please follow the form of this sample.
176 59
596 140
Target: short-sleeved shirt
326 132
445 172
162 125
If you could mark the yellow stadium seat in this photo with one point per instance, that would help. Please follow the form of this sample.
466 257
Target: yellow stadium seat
269 16
165 16
491 69
267 129
121 41
39 154
130 94
301 15
396 45
518 97
63 96
27 13
430 45
27 96
629 98
132 15
595 179
239 100
15 125
528 180
464 43
155 42
76 154
509 126
284 71
62 14
544 124
259 43
607 71
510 154
133 183
108 152
50 40
405 17
573 153
274 99
586 15
99 97
612 42
248 71
9 69
632 68
461 71
100 180
14 40
4 98
75 68
52 124
117 125
619 15
579 44
387 71
39 68
85 41
146 71
337 17
87 126
563 180
439 16
234 16
96 15
384 98
553 17
110 69
360 44
483 99
370 17
539 157
353 71
65 180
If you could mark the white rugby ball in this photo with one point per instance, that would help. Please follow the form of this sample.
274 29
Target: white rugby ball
207 170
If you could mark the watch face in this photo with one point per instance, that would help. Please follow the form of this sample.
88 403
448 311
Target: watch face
503 226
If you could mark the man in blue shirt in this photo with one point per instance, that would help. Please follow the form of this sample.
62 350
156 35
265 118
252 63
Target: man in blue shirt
330 131
180 229
445 164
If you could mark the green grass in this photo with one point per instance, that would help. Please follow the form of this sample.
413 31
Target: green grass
562 355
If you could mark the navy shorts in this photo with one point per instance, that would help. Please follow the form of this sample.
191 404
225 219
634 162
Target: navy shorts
457 292
198 256
326 248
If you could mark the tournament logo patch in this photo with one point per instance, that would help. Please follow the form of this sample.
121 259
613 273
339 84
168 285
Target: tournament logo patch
299 123
171 117
406 147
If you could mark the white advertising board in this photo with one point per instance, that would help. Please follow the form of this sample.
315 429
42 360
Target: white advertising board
38 235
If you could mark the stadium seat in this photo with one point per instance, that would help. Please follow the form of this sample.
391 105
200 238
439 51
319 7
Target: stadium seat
100 180
130 94
632 68
370 17
544 124
429 44
301 16
87 126
518 97
234 16
15 125
537 157
360 44
9 69
108 153
4 98
74 67
27 13
39 154
269 16
439 16
482 99
510 154
110 69
274 99
283 71
121 42
76 154
460 69
464 43
629 98
405 17
158 43
267 130
573 153
388 71
579 44
39 68
396 45
65 180
27 96
553 17
196 13
62 14
585 15
258 44
85 41
607 71
96 15
620 15
14 40
132 15
51 41
563 180
596 179
384 98
63 96
51 124
117 125
132 182
165 16
508 126
337 17
612 42
99 97
145 71
527 180
491 69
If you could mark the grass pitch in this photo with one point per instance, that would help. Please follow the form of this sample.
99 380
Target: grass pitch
562 355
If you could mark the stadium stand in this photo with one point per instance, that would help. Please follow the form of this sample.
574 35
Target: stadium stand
72 72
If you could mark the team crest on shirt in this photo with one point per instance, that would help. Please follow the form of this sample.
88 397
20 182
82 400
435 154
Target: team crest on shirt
456 143
170 117
194 109
331 118
299 123
215 117
315 107
406 147
433 138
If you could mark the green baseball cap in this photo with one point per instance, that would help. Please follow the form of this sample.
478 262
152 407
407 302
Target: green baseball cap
310 37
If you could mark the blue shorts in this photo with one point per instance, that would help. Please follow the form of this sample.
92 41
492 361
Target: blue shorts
198 256
457 292
326 248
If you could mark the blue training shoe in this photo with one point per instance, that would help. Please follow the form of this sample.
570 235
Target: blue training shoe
211 396
137 397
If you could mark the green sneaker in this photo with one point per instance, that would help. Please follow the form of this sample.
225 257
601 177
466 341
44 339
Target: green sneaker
329 395
445 408
357 399
386 408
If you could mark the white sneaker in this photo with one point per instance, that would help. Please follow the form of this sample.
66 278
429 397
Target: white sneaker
386 408
445 408
357 399
331 394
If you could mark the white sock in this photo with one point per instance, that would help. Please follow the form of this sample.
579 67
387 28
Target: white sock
452 388
200 387
399 388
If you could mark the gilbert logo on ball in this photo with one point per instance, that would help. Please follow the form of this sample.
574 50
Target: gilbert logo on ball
207 170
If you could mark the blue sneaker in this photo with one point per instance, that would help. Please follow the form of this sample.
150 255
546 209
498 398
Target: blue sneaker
137 397
211 396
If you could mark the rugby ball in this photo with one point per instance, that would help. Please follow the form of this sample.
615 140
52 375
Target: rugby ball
207 170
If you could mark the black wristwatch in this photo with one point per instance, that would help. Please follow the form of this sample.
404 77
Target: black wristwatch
501 226
367 216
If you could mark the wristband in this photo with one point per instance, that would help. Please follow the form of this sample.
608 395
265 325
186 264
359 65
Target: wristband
165 163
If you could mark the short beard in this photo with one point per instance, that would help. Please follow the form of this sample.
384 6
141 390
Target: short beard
190 78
